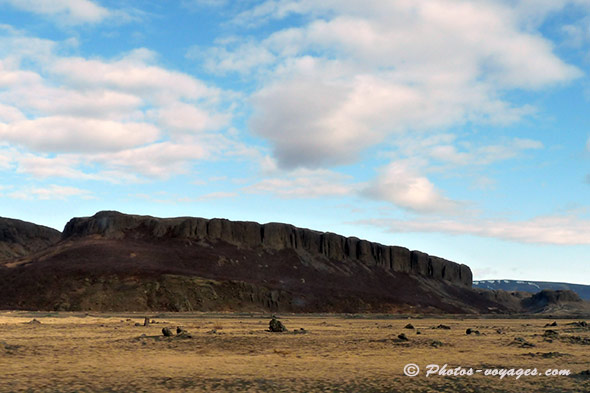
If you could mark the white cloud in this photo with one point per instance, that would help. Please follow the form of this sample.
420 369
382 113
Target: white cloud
10 114
97 103
388 68
61 166
562 230
51 192
11 77
123 119
203 3
7 157
246 57
214 195
304 183
135 75
69 134
483 155
69 11
184 117
400 184
158 160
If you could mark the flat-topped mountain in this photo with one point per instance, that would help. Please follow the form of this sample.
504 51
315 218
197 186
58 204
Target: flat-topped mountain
19 238
272 237
114 261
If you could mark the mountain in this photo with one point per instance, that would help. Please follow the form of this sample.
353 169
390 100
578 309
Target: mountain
114 261
532 286
20 238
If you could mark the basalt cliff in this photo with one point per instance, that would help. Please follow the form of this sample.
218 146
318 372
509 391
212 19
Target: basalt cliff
113 261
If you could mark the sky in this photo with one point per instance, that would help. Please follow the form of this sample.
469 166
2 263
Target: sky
458 128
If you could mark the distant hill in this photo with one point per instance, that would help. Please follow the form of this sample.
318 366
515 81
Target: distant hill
20 238
532 286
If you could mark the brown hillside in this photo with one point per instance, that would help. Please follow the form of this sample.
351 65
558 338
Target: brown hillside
113 261
19 238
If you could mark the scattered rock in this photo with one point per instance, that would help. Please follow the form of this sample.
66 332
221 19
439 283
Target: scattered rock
402 337
522 343
472 331
551 355
179 329
577 340
441 326
418 332
212 331
34 322
184 334
276 326
409 326
547 355
300 331
166 332
436 344
550 333
551 324
8 348
137 324
581 324
499 331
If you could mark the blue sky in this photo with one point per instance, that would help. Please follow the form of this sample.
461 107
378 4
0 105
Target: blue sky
459 128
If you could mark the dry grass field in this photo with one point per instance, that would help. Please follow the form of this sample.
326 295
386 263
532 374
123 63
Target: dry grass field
234 352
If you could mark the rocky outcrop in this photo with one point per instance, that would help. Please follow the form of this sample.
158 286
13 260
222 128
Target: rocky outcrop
308 244
548 297
20 238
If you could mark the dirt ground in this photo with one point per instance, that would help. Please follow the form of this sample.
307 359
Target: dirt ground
69 352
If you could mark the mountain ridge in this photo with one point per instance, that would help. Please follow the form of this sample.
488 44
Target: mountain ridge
118 262
532 286
115 261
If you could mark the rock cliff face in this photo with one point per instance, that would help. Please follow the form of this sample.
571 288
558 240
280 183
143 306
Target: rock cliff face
20 238
308 244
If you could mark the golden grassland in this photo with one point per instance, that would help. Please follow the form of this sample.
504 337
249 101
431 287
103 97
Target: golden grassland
234 352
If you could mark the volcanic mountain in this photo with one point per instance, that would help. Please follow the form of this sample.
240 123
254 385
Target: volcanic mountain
113 261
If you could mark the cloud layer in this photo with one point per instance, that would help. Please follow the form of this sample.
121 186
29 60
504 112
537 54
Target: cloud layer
69 11
103 119
561 230
356 76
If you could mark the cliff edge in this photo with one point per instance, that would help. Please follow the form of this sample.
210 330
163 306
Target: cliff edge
272 236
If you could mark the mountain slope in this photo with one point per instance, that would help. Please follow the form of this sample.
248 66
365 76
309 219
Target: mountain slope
113 261
19 238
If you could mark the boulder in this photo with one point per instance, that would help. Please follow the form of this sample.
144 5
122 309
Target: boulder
276 326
